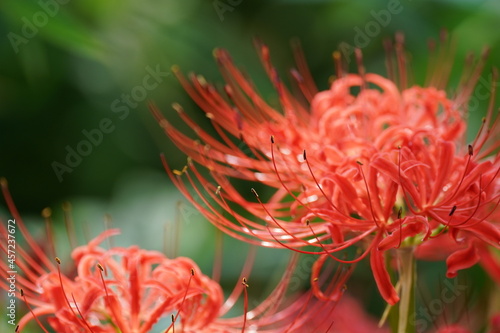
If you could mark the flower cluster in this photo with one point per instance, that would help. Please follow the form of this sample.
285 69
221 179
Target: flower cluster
370 163
362 169
132 290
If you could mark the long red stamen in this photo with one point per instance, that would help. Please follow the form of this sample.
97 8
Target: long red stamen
318 185
389 62
70 227
288 233
476 208
310 88
117 318
447 225
337 60
401 60
306 205
470 153
81 315
46 214
214 216
27 236
361 69
302 309
32 313
368 193
64 292
329 252
400 180
183 300
400 213
245 303
235 294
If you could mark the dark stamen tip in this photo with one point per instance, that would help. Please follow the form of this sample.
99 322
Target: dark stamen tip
58 260
192 271
471 150
452 210
254 192
272 138
304 155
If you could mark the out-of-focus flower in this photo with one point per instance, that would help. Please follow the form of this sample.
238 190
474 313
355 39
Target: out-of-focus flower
453 329
350 317
365 163
493 327
113 290
130 290
495 324
125 290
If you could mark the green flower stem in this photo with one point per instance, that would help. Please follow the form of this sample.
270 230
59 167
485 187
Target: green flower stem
407 279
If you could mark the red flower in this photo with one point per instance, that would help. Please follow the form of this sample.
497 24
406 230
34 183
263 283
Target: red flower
119 289
130 290
453 329
379 169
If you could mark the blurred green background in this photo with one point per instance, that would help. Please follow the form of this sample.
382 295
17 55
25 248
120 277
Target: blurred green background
67 67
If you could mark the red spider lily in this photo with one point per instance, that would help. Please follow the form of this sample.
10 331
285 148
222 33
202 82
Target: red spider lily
131 289
383 168
451 193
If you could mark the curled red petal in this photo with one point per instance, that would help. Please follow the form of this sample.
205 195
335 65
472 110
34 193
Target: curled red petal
487 232
382 277
461 259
